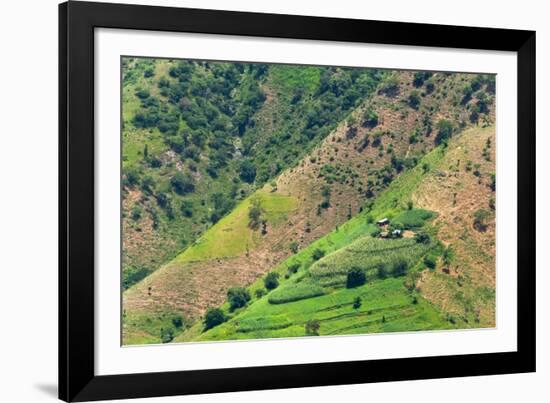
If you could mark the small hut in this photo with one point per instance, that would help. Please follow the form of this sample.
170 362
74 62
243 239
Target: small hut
383 222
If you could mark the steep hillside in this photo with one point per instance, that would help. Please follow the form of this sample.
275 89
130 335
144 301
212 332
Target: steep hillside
443 279
198 137
344 175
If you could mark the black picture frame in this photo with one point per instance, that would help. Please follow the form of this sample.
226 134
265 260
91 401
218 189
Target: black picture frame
77 379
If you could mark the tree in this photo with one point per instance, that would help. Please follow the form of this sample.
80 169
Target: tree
271 281
182 184
294 246
357 303
237 297
445 131
318 254
356 277
312 327
247 171
213 317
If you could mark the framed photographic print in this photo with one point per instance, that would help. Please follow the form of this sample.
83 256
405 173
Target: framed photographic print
258 201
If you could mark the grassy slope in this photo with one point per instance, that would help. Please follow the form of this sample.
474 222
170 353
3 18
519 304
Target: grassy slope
386 304
388 204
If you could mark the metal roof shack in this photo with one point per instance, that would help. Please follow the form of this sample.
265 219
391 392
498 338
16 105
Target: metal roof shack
383 221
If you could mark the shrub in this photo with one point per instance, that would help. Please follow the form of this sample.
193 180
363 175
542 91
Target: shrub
430 87
356 277
422 237
271 281
182 184
255 214
390 87
166 335
357 303
237 297
136 213
177 321
143 94
213 317
186 208
382 270
260 292
312 327
293 268
294 247
318 254
445 131
414 99
480 220
399 267
132 177
370 118
430 261
247 171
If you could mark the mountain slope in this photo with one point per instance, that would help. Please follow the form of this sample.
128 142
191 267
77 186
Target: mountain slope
342 176
455 294
199 136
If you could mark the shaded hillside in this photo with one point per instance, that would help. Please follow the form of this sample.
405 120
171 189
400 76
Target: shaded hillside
198 137
384 137
441 276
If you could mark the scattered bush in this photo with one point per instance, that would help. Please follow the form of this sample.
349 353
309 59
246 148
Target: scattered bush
445 131
370 118
213 318
430 261
247 171
237 297
356 277
182 184
177 321
312 327
166 335
480 220
271 281
414 100
317 254
260 292
357 303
